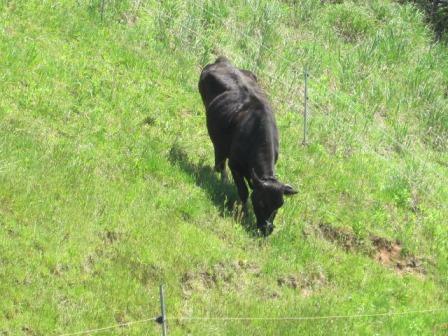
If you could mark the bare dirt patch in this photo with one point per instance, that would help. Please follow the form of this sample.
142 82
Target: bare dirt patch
221 275
306 283
341 236
110 237
59 269
147 274
388 253
88 266
28 331
120 317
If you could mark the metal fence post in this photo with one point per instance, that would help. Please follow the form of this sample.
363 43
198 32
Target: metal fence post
305 104
162 319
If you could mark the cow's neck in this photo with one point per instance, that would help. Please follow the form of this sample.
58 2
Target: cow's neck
264 163
264 171
264 152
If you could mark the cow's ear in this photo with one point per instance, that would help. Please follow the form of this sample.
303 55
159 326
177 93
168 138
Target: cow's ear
288 190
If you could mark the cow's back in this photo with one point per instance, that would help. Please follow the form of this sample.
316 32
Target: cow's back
239 117
223 94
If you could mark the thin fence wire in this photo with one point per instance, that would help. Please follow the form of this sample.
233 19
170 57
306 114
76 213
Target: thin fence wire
120 325
305 318
275 319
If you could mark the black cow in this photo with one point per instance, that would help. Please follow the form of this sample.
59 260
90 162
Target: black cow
242 127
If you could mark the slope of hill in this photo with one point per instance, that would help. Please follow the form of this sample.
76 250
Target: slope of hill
106 186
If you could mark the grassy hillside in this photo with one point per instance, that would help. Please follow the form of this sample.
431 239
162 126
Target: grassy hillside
106 186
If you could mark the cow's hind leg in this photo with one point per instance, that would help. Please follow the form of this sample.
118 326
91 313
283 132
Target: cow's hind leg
221 168
220 164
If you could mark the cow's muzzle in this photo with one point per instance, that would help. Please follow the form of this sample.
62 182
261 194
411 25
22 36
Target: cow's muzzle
266 228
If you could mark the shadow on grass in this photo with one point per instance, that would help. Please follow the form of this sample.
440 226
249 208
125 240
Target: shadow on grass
222 194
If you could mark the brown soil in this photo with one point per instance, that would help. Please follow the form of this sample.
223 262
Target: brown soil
343 237
390 253
387 252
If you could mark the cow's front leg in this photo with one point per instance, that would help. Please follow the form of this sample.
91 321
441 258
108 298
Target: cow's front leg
243 192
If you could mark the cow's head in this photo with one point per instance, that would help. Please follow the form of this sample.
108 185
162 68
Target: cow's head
267 198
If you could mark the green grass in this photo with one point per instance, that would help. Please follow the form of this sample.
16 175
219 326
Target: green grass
106 186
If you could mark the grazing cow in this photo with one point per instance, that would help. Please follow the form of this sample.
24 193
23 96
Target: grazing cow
242 127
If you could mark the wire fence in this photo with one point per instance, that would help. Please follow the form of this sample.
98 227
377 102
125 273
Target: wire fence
308 318
110 327
269 319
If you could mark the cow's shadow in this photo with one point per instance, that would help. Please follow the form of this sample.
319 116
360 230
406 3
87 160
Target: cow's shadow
223 194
